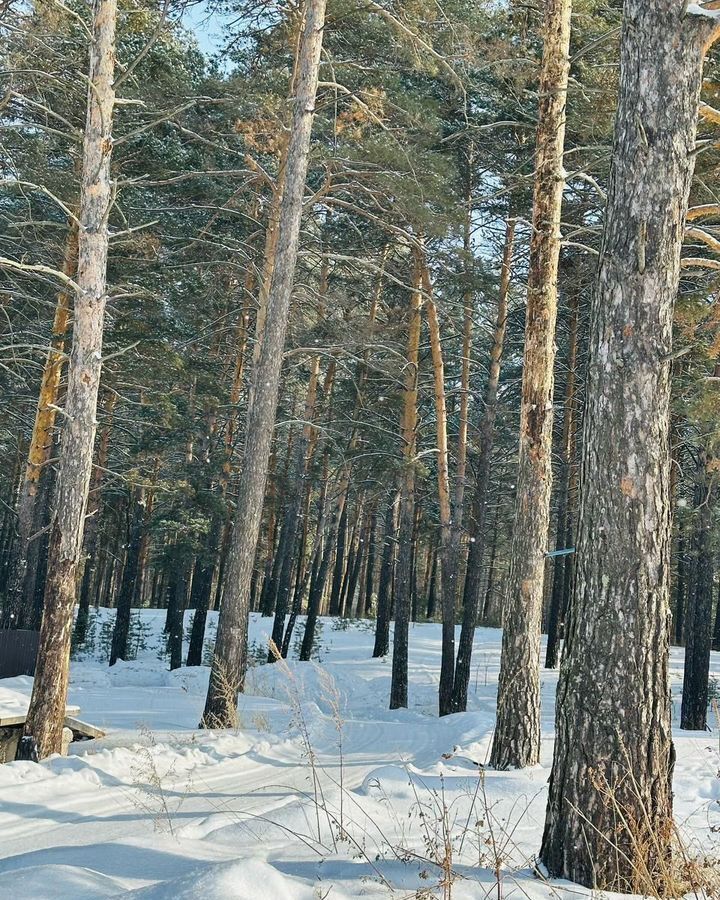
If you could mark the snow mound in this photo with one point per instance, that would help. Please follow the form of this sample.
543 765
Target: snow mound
293 681
66 881
250 879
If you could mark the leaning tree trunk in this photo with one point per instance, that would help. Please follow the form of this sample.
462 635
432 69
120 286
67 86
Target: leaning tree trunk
473 576
306 568
230 658
406 530
43 728
613 747
695 694
341 539
517 730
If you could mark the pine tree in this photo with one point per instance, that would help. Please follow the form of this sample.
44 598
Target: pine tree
230 656
43 728
613 753
517 733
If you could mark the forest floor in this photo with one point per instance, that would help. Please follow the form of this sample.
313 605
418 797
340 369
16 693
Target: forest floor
320 792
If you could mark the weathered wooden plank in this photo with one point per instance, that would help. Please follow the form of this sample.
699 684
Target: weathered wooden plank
84 729
8 721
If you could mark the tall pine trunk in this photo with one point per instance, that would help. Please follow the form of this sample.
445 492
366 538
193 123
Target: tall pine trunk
384 602
406 530
563 530
517 732
230 658
613 735
92 524
43 728
297 488
478 518
695 693
448 580
458 508
121 629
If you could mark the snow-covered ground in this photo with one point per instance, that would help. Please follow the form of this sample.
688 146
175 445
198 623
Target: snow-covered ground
320 792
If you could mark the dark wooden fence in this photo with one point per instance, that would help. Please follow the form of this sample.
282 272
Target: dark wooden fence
18 650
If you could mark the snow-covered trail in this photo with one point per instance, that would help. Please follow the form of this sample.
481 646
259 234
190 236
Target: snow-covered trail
159 809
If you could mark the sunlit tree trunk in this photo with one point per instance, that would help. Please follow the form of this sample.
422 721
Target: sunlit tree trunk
18 611
406 529
448 580
517 732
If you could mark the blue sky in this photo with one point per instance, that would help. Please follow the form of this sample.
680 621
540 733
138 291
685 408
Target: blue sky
207 26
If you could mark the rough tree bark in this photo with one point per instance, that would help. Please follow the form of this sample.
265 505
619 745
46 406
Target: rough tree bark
43 728
230 658
517 731
613 733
